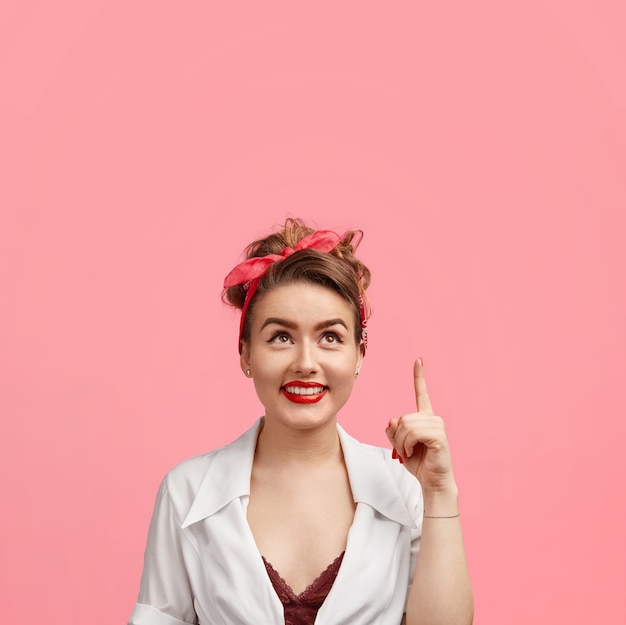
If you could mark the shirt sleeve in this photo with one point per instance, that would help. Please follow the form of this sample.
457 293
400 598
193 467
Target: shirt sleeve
165 593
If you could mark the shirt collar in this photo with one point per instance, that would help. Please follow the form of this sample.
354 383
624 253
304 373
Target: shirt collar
371 479
228 478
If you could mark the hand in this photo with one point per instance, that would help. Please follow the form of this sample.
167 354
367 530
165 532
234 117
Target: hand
419 440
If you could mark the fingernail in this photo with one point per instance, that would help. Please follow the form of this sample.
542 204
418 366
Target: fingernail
421 361
400 459
394 453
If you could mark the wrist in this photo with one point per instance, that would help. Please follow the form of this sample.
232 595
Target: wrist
441 502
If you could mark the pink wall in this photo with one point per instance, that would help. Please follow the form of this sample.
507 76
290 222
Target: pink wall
481 146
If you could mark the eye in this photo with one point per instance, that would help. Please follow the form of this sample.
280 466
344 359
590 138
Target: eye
331 338
280 337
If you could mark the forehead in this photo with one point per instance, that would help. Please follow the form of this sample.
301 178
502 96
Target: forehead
302 303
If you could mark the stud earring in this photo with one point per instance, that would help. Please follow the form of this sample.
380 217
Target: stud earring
248 372
356 373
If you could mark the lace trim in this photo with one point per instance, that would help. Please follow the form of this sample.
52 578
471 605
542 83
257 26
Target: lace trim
328 574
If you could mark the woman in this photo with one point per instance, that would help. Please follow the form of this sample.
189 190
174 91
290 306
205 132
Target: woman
296 522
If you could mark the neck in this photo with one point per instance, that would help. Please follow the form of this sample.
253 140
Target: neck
284 446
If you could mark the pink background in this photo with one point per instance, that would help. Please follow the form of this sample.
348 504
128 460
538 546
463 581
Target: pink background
481 146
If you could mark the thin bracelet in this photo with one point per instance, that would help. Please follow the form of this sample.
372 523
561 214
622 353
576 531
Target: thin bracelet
454 516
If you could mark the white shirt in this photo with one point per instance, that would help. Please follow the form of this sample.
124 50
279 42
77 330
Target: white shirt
202 565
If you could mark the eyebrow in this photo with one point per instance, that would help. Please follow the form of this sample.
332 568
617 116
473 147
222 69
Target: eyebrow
293 326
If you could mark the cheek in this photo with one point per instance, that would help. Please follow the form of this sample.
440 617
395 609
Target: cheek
345 373
266 368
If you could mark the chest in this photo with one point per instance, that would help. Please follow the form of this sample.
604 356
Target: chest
300 525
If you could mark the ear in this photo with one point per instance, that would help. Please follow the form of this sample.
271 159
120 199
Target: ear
359 361
244 358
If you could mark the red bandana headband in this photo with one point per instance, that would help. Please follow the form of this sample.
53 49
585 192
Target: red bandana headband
250 271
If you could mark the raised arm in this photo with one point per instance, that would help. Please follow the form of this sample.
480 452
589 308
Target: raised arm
441 593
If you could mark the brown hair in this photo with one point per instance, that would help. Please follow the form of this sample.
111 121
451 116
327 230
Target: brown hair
338 270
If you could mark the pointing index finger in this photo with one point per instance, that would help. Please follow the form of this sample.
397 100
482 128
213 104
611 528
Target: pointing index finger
421 392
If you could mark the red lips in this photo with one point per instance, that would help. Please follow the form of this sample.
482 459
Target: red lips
296 395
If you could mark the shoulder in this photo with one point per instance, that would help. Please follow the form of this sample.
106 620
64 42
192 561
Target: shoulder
190 471
182 482
407 483
376 477
212 479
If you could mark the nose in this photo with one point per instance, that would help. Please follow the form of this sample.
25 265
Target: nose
305 362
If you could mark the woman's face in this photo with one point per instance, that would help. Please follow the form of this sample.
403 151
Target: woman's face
302 354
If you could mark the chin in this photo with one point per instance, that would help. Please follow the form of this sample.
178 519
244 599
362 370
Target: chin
304 419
